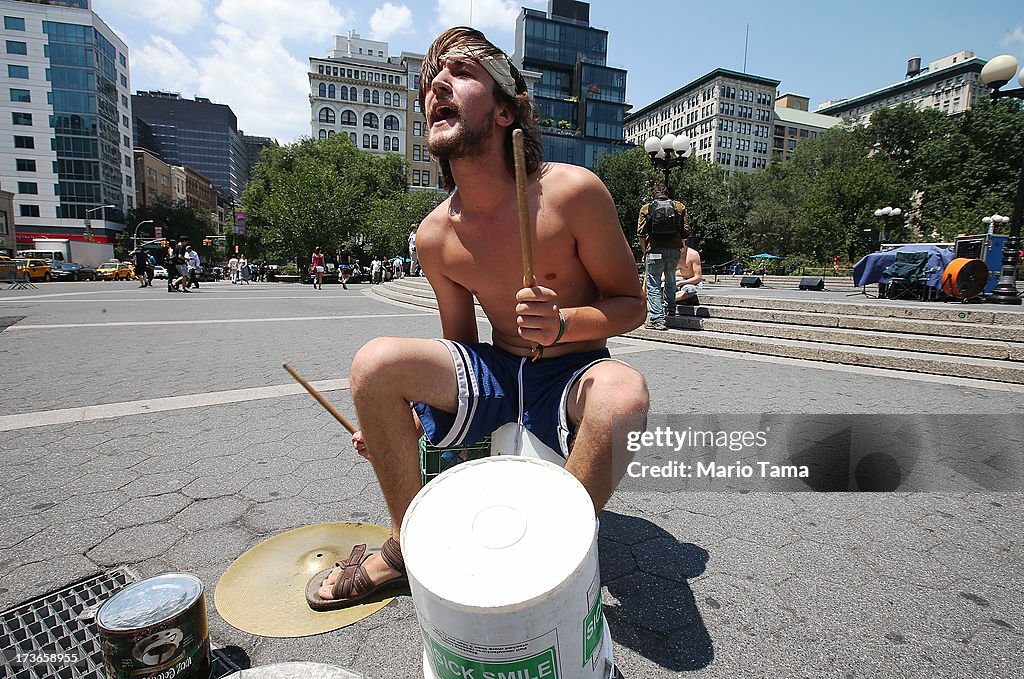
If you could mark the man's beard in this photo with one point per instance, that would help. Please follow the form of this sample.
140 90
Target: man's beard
466 142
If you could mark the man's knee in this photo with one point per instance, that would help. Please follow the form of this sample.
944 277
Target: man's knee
374 362
613 389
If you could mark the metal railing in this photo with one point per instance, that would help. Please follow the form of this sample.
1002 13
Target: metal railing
9 274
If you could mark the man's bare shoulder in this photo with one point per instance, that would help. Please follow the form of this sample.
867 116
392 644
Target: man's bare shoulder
434 226
570 178
572 184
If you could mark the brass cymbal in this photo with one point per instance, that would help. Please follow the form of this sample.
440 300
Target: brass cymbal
264 591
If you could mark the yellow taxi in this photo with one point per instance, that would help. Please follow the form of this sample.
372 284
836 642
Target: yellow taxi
127 270
113 271
33 269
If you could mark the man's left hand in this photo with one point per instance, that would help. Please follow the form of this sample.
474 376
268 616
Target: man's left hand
537 315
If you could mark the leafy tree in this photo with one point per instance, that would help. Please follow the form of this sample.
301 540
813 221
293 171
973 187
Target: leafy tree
176 219
326 192
629 177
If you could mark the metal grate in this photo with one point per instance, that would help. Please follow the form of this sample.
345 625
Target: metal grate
58 631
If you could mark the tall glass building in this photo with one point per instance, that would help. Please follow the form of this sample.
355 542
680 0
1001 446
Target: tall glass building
200 134
580 99
66 123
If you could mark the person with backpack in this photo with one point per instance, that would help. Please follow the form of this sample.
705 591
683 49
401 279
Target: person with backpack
661 228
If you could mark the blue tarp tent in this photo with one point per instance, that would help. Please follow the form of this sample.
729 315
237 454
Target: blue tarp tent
869 269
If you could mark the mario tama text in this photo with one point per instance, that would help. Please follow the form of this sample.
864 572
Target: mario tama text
819 452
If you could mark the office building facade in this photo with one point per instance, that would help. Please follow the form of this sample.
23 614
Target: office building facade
197 133
65 129
424 172
728 115
795 124
581 100
152 180
361 91
951 84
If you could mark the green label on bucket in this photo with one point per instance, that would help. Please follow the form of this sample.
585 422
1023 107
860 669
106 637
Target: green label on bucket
593 630
449 665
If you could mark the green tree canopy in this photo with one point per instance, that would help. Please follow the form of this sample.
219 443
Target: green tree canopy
327 192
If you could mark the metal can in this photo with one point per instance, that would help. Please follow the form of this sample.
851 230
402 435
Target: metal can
156 629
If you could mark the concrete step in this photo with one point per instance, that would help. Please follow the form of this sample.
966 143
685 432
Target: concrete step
833 283
952 326
982 314
952 340
904 341
933 364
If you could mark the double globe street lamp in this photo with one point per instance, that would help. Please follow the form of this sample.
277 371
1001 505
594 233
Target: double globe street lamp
886 213
995 74
668 152
993 221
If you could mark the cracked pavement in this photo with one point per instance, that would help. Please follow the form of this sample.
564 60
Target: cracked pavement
708 584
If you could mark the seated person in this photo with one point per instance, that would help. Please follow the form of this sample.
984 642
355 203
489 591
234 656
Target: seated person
688 276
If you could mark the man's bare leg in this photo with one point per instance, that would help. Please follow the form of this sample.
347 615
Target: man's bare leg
387 374
610 394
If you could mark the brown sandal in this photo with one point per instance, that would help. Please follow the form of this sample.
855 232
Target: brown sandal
354 585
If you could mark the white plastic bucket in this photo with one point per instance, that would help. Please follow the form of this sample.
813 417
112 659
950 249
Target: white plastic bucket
501 555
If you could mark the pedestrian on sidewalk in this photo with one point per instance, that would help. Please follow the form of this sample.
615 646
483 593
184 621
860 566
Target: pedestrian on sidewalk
414 258
192 263
344 265
317 266
661 227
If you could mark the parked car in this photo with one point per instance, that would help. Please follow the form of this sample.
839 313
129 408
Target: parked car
127 270
73 271
159 271
113 271
33 269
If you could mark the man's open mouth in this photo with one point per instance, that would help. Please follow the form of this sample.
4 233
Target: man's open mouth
445 112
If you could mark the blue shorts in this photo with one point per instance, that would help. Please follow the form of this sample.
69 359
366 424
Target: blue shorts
496 387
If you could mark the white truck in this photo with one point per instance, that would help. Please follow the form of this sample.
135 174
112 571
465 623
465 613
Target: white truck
59 250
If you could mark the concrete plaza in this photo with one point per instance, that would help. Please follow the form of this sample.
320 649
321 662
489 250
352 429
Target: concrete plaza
159 431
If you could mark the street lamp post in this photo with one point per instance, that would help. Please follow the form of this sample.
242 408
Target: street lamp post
668 152
88 226
993 221
886 213
135 238
996 73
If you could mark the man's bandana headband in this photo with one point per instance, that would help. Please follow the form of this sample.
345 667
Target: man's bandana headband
498 67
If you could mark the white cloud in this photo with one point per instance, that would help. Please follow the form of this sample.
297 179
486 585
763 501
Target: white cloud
173 16
282 19
480 14
1016 35
160 61
265 86
389 19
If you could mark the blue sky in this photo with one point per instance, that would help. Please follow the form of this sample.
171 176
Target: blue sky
253 54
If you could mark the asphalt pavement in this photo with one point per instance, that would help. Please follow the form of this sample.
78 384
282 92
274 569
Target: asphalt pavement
159 431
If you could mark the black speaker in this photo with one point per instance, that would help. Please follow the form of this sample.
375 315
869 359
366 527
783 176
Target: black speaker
812 283
750 282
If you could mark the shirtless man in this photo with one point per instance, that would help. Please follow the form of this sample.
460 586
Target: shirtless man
586 290
688 276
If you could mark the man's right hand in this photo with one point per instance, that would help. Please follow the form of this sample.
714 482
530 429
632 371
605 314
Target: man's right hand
359 443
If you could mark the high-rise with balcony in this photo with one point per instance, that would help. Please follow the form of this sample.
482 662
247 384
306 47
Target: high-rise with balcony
65 127
580 99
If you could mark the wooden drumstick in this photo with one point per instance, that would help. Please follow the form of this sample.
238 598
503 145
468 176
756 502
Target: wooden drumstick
320 399
519 159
